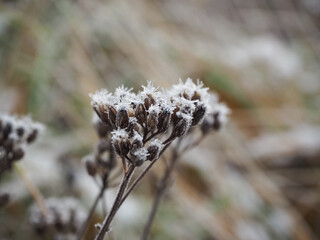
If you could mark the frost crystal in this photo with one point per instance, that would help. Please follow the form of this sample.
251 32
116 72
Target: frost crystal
135 119
15 134
64 216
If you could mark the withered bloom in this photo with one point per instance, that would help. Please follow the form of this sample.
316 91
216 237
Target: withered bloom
15 135
135 119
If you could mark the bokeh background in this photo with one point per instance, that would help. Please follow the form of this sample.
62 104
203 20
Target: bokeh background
257 179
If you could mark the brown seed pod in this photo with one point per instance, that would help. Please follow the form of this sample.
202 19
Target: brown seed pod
196 96
132 127
7 130
164 120
180 128
153 152
32 136
8 145
141 114
122 118
112 115
124 147
17 154
20 131
152 121
198 114
102 112
116 146
136 144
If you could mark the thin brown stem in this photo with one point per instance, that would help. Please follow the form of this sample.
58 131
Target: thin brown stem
161 189
33 190
116 204
142 174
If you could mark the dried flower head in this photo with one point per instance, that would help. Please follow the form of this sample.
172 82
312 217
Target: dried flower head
135 119
15 134
102 161
63 218
217 115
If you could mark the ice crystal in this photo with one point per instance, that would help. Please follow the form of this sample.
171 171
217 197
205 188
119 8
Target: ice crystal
135 119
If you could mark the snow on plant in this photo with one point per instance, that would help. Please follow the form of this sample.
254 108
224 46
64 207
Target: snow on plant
15 134
144 124
62 219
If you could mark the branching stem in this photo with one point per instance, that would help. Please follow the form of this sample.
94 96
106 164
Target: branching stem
116 204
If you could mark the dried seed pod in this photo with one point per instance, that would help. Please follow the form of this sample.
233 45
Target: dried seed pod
8 145
180 128
32 136
153 152
124 147
152 121
116 146
132 128
164 120
17 154
112 113
20 131
102 112
7 130
122 118
148 101
141 114
91 168
139 156
196 96
136 144
198 114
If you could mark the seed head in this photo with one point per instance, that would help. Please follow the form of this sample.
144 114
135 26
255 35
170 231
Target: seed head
122 118
154 149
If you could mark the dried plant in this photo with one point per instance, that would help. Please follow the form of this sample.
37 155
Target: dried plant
145 124
215 119
99 165
62 220
15 134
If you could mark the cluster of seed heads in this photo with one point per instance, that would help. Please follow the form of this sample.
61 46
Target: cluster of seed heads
102 161
139 121
63 218
216 117
15 134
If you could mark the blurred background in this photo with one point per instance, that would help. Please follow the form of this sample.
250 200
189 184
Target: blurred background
257 179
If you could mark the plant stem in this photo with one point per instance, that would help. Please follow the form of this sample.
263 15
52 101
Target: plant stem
84 225
161 189
116 204
33 190
138 179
